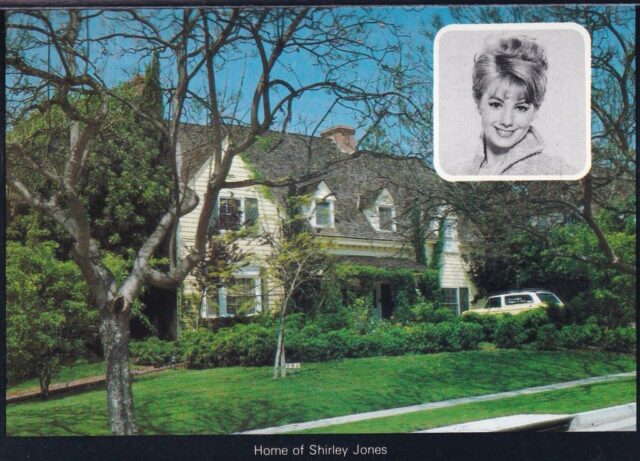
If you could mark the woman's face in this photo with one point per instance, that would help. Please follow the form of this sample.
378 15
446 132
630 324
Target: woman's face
506 116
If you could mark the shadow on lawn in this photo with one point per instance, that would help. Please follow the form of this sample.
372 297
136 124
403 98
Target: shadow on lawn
217 417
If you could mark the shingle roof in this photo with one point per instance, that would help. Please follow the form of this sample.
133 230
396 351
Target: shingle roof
294 156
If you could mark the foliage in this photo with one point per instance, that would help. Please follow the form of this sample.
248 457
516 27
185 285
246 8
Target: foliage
508 332
154 351
429 284
428 313
621 340
358 280
245 345
48 321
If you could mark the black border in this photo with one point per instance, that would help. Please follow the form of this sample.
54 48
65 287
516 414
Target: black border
617 446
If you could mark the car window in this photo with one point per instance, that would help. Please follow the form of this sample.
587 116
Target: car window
518 299
548 297
494 302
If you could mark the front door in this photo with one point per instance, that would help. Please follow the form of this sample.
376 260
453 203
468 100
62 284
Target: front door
386 300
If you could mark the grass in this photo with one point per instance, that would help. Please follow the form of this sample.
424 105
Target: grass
71 373
77 371
227 400
566 401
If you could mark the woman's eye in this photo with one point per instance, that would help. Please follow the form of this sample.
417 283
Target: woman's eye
495 105
522 108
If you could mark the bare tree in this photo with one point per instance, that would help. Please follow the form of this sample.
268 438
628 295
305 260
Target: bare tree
60 61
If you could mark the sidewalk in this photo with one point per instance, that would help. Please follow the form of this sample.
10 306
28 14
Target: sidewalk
433 405
78 384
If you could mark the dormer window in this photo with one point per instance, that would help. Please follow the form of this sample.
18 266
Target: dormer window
379 208
321 207
323 214
385 216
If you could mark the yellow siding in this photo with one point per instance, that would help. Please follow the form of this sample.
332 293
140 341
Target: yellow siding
267 209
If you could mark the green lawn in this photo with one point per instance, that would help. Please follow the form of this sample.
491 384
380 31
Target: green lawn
77 371
227 400
71 373
567 401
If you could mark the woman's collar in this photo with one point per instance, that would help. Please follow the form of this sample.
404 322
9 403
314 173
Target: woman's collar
531 144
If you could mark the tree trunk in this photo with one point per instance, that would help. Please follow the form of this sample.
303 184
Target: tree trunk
114 329
279 365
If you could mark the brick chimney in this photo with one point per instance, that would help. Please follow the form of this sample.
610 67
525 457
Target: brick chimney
344 137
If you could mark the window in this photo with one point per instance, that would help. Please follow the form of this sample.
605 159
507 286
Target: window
242 295
323 214
251 214
518 299
456 299
548 298
385 215
494 302
233 213
449 298
229 213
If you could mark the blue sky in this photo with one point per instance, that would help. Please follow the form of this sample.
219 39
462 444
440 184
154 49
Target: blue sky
115 69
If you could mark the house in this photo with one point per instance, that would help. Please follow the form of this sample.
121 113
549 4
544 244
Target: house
361 206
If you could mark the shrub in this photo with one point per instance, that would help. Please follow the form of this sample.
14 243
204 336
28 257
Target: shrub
427 313
548 338
508 332
531 322
469 335
424 338
580 336
620 340
246 345
154 351
487 322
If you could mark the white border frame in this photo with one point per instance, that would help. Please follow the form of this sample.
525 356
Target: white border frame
515 27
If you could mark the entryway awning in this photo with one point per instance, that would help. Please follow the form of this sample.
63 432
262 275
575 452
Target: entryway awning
384 262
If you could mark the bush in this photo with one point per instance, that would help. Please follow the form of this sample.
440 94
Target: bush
580 336
488 324
154 351
246 345
620 340
508 333
468 335
531 322
548 338
427 313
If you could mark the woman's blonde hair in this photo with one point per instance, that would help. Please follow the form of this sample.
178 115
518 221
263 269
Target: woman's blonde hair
516 60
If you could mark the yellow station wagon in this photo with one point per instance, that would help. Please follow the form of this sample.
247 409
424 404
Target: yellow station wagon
514 302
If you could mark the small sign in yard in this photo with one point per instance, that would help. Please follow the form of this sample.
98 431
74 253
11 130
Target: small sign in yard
293 365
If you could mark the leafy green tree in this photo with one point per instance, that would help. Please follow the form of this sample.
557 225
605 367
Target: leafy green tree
48 321
298 259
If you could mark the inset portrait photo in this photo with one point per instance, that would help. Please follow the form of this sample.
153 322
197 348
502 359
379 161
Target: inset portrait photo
512 102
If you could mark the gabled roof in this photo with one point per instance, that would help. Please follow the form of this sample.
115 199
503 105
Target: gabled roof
296 156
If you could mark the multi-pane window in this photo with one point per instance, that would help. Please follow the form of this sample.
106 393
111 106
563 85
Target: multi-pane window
449 298
456 299
323 214
241 296
233 213
385 214
229 213
251 214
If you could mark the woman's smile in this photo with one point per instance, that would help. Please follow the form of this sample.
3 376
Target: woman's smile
506 116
